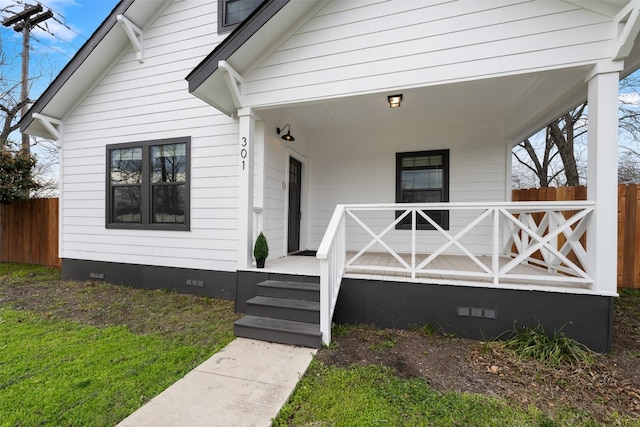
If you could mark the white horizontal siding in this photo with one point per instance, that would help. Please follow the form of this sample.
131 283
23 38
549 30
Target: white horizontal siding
360 167
275 196
144 101
363 47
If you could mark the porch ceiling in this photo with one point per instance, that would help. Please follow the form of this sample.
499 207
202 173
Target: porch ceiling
524 103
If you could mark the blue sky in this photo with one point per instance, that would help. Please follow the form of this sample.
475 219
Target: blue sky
75 21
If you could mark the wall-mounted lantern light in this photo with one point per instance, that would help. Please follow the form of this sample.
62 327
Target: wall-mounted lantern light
287 137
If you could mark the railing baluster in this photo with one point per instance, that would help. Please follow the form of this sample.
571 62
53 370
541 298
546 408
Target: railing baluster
414 226
495 255
513 226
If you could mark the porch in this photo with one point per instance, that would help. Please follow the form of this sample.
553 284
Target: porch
491 265
383 266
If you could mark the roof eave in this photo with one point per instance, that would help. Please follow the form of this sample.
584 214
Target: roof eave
78 59
207 69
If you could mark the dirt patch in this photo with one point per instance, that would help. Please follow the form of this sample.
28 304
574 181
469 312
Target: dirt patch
608 386
188 319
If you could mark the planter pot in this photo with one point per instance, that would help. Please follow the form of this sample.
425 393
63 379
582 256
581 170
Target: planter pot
260 263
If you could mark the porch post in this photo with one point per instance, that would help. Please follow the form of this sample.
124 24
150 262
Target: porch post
602 176
246 135
258 197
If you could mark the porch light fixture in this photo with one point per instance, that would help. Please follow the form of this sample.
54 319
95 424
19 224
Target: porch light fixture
394 100
288 137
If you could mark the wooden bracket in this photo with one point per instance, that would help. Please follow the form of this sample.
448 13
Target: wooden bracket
234 80
135 35
626 27
54 126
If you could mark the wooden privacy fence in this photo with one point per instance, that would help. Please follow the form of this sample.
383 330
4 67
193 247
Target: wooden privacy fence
29 232
628 223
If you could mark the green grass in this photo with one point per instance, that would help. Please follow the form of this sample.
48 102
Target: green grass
22 272
374 396
62 373
629 298
81 353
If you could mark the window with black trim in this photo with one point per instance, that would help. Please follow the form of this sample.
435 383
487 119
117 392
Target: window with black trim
148 184
232 12
423 177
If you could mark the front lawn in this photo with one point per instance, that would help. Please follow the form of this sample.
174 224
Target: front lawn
82 353
426 377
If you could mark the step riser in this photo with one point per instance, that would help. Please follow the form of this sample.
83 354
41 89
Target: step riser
285 313
282 337
299 294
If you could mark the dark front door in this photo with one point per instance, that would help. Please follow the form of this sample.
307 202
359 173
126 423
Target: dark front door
295 191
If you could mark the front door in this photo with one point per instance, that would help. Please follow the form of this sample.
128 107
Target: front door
295 214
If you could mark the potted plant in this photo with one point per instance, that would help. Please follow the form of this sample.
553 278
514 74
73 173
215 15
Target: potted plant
261 250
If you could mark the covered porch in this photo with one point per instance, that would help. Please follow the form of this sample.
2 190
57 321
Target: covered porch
348 150
530 265
460 115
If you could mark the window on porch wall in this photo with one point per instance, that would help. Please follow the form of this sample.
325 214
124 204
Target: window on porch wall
423 177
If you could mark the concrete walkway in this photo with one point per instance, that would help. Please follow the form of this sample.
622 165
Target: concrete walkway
244 384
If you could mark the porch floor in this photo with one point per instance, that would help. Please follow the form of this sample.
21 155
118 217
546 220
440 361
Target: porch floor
310 266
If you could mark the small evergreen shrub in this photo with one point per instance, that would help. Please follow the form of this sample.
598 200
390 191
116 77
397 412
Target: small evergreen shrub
261 248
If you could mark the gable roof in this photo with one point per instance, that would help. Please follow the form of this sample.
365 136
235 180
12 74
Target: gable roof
234 41
259 34
96 55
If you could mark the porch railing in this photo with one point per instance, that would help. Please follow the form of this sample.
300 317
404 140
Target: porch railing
332 256
504 236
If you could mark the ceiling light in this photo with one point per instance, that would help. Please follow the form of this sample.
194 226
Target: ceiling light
394 100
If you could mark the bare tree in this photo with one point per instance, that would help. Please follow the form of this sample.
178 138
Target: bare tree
629 119
628 168
559 157
541 167
10 104
553 156
20 174
564 133
44 170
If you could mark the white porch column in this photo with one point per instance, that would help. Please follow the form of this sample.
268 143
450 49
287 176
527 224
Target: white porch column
259 187
247 125
602 177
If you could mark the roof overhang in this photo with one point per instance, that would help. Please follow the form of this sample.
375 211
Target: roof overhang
93 59
243 48
533 100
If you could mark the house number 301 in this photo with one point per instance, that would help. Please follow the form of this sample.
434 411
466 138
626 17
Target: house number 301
243 152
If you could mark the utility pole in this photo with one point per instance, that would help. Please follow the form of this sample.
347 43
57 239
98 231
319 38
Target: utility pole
23 22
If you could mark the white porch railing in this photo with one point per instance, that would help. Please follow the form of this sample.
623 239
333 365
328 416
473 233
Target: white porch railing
548 235
332 256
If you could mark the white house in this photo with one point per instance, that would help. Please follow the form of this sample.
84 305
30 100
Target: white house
170 122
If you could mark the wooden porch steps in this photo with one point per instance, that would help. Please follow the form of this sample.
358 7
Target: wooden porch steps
283 312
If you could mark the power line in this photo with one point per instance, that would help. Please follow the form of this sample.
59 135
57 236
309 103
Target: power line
59 18
53 48
60 39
